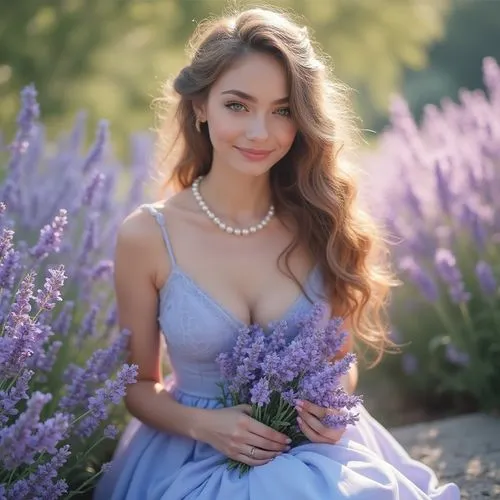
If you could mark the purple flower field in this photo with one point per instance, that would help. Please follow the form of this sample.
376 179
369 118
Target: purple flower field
436 187
62 376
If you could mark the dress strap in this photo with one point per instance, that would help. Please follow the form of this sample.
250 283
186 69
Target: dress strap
160 218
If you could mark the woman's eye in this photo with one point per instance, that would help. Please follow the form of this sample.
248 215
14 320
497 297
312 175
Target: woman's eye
235 106
283 111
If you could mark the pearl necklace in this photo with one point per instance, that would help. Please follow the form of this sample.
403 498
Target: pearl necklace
195 187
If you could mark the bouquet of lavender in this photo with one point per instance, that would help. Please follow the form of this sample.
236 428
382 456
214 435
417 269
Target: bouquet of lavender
270 373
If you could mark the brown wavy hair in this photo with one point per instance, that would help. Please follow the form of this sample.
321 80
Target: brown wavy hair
314 184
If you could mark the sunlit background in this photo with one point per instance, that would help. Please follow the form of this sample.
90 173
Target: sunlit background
111 57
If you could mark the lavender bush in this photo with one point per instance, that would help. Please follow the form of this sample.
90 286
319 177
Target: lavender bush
62 375
439 197
270 372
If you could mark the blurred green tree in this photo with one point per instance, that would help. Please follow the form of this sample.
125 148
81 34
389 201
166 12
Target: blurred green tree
111 57
472 33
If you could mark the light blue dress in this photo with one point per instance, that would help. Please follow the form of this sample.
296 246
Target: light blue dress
366 464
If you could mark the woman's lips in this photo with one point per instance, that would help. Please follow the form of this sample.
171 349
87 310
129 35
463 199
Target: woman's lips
254 154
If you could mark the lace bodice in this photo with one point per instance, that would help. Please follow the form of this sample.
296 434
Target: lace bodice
197 328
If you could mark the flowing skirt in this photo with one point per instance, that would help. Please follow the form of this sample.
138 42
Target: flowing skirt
366 464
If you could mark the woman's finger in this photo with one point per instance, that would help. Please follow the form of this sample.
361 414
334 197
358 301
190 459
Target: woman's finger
332 435
250 461
309 432
265 444
257 453
252 455
312 422
318 411
266 432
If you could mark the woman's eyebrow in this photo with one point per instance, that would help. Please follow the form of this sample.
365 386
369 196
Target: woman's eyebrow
248 97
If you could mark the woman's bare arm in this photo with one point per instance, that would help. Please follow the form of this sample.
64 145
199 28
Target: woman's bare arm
138 248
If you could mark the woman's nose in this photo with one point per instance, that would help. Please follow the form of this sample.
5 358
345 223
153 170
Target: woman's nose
257 129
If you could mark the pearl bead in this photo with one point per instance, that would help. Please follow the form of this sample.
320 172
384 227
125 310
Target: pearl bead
228 229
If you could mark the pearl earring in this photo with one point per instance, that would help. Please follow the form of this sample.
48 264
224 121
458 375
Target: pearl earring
197 125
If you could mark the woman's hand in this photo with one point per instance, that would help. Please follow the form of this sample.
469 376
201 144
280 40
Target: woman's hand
238 436
309 420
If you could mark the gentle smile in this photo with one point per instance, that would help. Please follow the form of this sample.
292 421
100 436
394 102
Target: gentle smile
254 154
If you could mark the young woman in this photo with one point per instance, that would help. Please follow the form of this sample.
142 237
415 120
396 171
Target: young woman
262 224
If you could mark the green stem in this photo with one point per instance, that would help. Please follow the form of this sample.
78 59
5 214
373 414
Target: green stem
77 419
80 488
74 466
472 346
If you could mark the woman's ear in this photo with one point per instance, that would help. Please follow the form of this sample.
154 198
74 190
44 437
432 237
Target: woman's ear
199 109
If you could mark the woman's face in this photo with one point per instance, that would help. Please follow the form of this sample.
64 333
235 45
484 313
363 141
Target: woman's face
248 115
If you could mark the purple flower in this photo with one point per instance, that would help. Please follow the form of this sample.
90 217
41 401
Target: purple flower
30 111
17 441
47 298
413 201
340 421
277 338
97 369
227 365
89 240
9 399
51 236
102 270
6 242
112 392
447 268
252 352
487 280
93 189
46 358
43 482
8 268
260 392
456 356
88 324
111 431
420 278
96 153
445 195
21 307
111 317
271 365
471 219
410 364
26 119
62 323
19 347
323 388
491 72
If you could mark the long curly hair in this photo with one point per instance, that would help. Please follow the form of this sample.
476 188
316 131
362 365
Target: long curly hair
314 184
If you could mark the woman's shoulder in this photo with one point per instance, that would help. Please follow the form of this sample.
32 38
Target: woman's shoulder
140 226
137 227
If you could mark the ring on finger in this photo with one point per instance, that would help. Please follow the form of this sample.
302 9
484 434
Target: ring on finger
252 451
